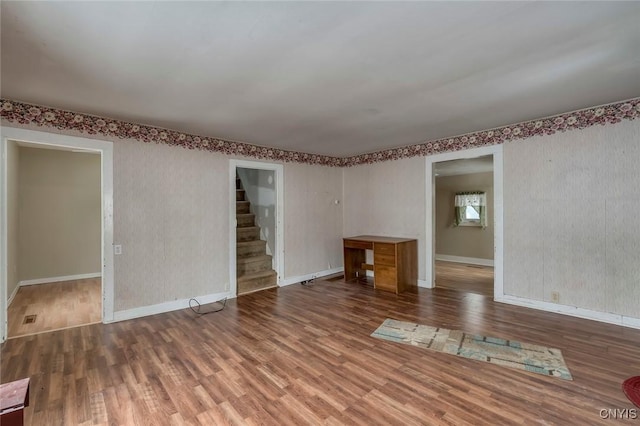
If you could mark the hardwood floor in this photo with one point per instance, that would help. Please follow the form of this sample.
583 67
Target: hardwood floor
462 276
55 306
303 355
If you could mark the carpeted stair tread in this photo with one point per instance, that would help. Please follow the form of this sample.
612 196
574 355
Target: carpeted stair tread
245 220
251 259
250 248
248 233
251 264
253 282
261 274
242 207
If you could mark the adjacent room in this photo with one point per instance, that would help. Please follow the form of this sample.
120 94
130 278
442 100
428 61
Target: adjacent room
464 228
411 213
55 209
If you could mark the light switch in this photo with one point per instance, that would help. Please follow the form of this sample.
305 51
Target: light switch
117 249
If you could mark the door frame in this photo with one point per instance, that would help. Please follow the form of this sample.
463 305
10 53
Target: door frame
105 149
498 231
278 253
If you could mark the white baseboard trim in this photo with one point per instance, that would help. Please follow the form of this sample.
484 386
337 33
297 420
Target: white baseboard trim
161 308
573 311
469 260
13 295
58 279
424 284
307 277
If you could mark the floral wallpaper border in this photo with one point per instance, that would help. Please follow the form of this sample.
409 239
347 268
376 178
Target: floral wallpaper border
28 114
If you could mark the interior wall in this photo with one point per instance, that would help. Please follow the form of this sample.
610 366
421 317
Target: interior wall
13 161
387 199
171 218
171 209
570 218
60 213
260 190
463 241
312 219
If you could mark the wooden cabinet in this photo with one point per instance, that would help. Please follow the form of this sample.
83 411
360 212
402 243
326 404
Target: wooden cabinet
395 261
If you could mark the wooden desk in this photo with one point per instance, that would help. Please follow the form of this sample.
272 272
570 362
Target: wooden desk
395 261
14 396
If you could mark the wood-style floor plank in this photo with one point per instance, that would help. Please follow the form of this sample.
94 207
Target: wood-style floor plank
463 276
304 355
56 306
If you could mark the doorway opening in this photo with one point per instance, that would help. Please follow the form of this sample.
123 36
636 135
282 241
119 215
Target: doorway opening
57 232
256 236
465 253
464 224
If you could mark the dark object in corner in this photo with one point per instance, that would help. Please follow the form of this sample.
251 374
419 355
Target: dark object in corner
14 396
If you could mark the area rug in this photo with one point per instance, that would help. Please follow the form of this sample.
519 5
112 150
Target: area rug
506 353
631 388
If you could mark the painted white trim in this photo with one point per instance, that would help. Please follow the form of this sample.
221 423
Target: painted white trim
573 311
161 308
278 256
298 279
58 279
4 277
630 322
461 259
498 203
13 295
105 148
424 284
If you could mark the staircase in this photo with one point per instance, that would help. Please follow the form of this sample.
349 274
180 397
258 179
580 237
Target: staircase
253 265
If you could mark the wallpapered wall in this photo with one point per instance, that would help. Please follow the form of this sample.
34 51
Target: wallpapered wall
571 204
171 208
566 196
312 219
464 241
387 199
171 218
570 214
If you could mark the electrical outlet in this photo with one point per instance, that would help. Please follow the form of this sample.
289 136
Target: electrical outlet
117 249
555 297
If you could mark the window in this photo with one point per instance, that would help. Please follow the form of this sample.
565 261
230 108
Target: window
471 209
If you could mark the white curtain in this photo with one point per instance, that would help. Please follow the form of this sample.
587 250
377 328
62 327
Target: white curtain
476 200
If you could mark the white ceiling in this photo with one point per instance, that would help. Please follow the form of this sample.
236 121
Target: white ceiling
333 78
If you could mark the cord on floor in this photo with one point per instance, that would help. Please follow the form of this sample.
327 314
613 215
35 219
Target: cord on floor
308 282
195 306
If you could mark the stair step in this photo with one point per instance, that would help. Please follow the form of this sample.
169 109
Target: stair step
240 195
245 219
248 233
250 248
257 281
249 265
242 207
